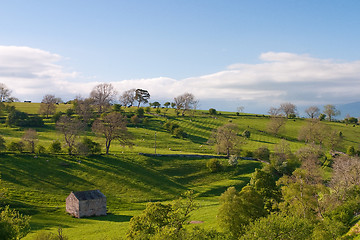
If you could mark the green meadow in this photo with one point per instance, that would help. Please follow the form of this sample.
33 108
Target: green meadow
37 185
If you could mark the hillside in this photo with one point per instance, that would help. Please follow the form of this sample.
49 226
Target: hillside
38 184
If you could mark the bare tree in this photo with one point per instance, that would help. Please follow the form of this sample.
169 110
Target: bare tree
345 176
5 93
288 109
240 109
30 136
185 102
314 131
142 96
226 139
313 112
48 105
331 111
83 108
274 112
127 99
71 129
276 124
103 95
113 127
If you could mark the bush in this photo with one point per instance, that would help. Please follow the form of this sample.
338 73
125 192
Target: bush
262 153
117 107
93 147
248 154
140 112
41 149
233 160
179 132
16 146
57 116
145 121
214 165
212 111
135 119
2 144
55 147
351 151
21 119
246 134
148 109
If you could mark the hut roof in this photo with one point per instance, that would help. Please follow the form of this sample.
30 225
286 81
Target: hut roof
87 195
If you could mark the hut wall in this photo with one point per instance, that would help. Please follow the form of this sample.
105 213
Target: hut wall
72 205
92 207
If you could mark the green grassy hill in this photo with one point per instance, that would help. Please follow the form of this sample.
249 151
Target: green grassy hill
38 185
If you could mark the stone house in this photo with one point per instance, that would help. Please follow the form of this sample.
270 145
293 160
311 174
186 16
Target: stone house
86 203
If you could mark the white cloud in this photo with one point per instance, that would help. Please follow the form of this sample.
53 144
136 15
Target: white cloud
301 79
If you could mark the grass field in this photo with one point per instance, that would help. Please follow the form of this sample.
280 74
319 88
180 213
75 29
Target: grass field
38 185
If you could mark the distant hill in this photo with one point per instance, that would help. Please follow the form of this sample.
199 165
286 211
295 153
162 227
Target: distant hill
353 109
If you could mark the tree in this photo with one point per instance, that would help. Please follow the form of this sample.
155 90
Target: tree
238 209
156 104
276 124
226 139
288 109
13 225
274 112
345 176
301 197
127 98
185 102
103 95
313 131
83 108
5 93
167 104
313 112
240 109
331 111
212 111
30 136
71 129
279 226
142 96
113 127
48 105
159 218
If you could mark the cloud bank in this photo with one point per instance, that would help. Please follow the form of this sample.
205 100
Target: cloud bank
278 77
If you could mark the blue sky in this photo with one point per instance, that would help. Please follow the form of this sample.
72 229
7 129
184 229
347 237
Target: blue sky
228 53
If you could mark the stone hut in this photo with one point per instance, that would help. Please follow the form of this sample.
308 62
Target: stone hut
86 203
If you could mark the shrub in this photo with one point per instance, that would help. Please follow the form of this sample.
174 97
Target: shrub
212 111
57 116
2 144
41 149
135 119
140 112
249 154
145 121
246 134
117 107
179 132
350 151
233 160
214 165
148 109
262 153
93 147
158 111
16 146
55 147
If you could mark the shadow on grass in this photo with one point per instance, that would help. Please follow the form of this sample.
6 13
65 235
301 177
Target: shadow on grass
218 190
110 217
